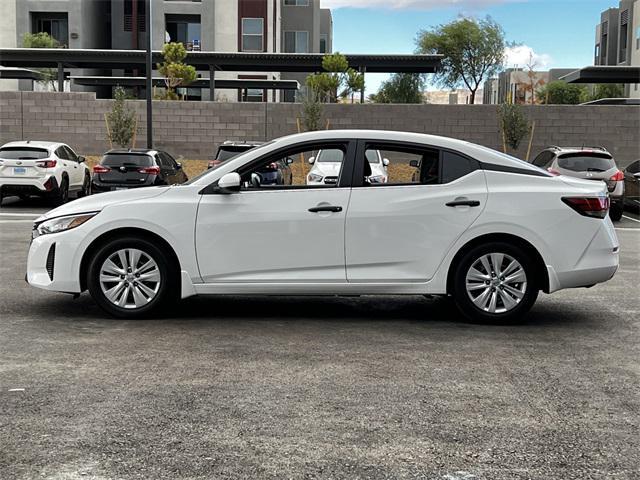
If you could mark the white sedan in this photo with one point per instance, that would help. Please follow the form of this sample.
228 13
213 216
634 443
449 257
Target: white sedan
488 229
328 163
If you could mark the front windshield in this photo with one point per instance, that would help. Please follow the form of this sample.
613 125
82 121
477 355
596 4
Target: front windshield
256 150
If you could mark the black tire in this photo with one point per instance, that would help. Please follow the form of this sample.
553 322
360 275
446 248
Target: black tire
62 195
615 212
167 292
529 289
86 187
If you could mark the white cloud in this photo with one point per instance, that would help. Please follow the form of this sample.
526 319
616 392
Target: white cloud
521 55
413 4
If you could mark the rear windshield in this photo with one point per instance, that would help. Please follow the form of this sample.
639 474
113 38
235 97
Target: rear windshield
586 162
225 153
23 153
118 160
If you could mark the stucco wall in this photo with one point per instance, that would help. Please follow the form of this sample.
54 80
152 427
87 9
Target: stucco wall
194 129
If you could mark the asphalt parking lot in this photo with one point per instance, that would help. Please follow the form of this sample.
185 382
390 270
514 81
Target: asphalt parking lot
395 387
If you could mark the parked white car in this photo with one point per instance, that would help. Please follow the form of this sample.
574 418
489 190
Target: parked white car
486 228
47 169
328 163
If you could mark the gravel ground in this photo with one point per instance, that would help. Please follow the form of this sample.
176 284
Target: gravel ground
395 387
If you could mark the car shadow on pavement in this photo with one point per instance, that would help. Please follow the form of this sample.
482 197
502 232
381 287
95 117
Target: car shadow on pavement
207 309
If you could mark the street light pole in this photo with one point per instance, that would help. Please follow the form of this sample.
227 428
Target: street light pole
149 77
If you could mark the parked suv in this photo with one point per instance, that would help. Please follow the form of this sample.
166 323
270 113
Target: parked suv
47 169
229 149
122 169
590 163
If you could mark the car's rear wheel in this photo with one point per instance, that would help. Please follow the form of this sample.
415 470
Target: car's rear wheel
495 283
86 187
131 278
62 195
616 211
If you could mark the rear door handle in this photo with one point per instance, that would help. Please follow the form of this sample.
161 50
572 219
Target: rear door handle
463 203
326 208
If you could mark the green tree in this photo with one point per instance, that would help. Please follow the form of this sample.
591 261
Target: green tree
121 120
561 93
336 75
400 88
48 76
175 72
311 109
473 51
606 90
513 123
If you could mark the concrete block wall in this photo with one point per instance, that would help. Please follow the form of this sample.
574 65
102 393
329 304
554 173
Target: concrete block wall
195 129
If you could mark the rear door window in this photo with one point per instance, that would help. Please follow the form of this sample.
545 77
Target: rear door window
634 167
586 162
62 153
23 153
71 155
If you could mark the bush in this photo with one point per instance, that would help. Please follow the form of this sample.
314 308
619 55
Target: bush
561 93
513 123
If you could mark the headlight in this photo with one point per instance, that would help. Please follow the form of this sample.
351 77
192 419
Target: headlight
60 224
378 179
314 177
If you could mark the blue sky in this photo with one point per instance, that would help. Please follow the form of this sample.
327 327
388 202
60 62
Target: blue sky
560 33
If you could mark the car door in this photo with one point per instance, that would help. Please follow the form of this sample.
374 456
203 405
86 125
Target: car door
276 233
76 171
400 231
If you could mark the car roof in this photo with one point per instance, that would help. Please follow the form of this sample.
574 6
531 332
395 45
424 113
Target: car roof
585 148
134 151
34 143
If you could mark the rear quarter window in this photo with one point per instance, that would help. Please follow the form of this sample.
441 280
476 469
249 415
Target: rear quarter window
455 166
586 162
23 153
119 160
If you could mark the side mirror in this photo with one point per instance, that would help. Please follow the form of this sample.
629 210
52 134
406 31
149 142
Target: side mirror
178 166
385 162
414 163
312 160
229 183
637 175
289 161
81 159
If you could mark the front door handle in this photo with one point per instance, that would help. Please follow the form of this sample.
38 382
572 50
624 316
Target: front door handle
463 203
326 208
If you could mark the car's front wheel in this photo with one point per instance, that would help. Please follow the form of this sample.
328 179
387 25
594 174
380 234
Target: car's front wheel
495 283
131 278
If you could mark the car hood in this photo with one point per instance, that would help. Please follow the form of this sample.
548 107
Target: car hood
95 203
327 169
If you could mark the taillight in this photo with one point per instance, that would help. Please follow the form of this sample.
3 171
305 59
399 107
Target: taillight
155 170
101 169
553 172
596 207
618 177
46 163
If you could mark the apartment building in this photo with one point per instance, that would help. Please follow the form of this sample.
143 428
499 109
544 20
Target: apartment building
618 39
296 26
8 38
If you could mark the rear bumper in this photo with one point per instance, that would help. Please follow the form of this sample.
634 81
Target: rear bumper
28 186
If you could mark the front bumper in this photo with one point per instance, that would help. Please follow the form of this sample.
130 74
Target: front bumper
63 273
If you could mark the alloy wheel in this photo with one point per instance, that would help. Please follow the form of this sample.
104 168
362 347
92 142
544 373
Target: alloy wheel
496 282
130 278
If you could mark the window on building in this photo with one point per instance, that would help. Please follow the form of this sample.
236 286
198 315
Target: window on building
324 43
296 3
624 30
55 24
128 15
296 42
185 29
638 38
253 34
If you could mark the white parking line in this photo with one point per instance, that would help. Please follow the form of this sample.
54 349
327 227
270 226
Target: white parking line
2 214
630 218
627 228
